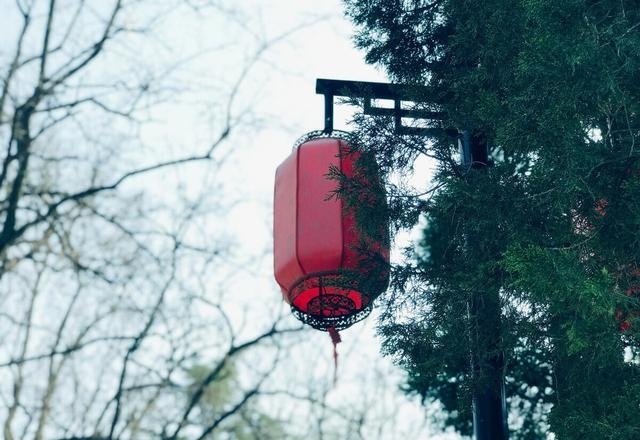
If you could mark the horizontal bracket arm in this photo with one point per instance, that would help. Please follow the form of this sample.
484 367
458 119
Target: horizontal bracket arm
370 91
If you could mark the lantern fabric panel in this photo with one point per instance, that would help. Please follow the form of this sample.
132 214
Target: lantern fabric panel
319 223
287 266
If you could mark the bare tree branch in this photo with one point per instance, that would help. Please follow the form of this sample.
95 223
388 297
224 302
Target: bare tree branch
19 379
86 56
135 345
215 372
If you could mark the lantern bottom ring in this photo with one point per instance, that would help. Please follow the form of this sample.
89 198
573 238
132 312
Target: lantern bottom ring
326 322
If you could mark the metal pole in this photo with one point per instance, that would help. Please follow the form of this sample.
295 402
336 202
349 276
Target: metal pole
487 361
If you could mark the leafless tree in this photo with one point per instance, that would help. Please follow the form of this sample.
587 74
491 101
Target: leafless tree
103 280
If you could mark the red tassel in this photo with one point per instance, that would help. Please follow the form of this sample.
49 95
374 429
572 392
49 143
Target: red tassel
335 338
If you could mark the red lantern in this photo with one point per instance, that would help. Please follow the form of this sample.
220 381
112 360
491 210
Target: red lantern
331 252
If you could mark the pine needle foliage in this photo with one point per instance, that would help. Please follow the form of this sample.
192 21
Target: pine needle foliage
552 228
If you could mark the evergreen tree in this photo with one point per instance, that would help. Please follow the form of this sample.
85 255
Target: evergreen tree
552 227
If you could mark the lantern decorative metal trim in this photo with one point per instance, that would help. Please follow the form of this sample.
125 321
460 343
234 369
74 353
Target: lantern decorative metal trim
331 239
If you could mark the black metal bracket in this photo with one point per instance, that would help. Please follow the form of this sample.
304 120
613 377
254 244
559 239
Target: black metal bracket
473 144
370 91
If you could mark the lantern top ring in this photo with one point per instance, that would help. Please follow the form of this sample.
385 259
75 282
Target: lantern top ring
320 134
